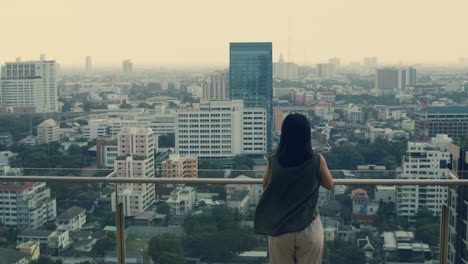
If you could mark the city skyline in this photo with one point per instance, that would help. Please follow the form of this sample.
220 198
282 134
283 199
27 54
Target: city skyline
150 34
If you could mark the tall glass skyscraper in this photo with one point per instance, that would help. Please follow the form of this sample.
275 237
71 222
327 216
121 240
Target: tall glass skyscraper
251 78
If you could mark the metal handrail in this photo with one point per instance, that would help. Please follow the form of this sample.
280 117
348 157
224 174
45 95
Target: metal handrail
109 179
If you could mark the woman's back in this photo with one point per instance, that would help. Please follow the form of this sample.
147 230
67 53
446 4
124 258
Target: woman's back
289 201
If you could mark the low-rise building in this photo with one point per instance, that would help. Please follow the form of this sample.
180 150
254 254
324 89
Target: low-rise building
239 200
52 242
97 128
182 200
48 131
8 157
353 114
327 97
6 139
11 256
31 248
401 247
385 194
255 190
324 110
302 98
72 219
364 211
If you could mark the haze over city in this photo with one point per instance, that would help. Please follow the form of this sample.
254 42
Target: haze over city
174 132
198 32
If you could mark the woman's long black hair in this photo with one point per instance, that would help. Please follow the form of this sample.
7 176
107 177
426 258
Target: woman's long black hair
295 145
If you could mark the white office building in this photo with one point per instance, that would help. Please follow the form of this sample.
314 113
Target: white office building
220 129
29 86
424 160
97 128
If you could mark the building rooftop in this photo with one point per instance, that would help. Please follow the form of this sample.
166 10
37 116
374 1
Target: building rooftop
36 233
238 195
70 213
146 216
447 109
8 256
48 123
254 254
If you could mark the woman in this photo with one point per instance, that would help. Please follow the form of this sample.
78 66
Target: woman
287 210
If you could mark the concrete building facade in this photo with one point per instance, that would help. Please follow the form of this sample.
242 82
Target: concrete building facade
424 160
135 159
220 129
29 86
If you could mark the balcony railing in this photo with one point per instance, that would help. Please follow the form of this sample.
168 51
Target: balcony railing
120 210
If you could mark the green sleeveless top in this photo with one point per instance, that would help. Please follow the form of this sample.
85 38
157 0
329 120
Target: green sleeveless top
288 203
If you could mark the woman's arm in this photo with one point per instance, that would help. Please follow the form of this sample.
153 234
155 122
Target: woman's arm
325 175
266 176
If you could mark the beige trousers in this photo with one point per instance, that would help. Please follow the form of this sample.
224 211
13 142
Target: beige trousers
302 247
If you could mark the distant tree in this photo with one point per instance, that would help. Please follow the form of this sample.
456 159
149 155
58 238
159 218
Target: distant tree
74 149
342 252
145 105
209 169
242 165
170 258
163 246
125 106
46 260
50 226
217 236
104 244
463 142
163 208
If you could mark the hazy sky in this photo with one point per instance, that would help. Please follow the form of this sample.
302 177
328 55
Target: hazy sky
192 32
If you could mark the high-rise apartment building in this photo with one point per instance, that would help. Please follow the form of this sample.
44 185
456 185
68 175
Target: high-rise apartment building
424 160
216 86
458 207
334 63
285 70
411 76
135 158
26 205
88 65
390 81
177 167
29 86
251 78
220 129
48 131
450 120
370 62
325 71
127 66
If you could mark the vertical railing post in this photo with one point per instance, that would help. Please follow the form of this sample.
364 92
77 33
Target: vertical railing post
443 250
120 232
